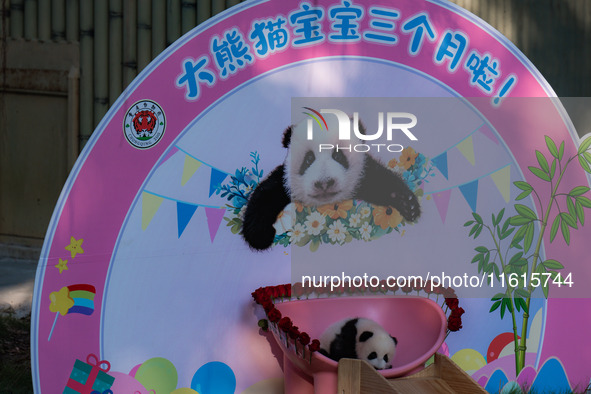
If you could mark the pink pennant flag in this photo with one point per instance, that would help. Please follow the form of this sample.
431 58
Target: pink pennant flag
169 154
441 200
214 220
487 132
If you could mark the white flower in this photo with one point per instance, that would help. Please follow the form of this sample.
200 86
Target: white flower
284 220
365 212
297 233
355 220
315 223
365 231
337 232
242 212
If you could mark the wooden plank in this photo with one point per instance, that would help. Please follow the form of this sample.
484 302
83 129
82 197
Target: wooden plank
358 377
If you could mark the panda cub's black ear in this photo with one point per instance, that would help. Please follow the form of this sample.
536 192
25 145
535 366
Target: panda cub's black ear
394 339
365 335
286 137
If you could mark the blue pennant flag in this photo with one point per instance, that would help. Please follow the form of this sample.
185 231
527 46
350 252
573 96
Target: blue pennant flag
184 213
440 162
470 192
217 177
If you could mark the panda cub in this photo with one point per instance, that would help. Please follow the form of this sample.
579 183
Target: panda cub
317 178
359 338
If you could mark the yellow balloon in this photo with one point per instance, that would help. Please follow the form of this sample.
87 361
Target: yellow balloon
469 359
184 390
158 374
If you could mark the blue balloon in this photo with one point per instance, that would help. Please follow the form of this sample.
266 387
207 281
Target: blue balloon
214 378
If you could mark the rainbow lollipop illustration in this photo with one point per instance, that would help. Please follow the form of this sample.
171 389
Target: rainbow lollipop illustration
78 298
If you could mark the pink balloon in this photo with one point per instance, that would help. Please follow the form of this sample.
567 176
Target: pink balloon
126 384
134 370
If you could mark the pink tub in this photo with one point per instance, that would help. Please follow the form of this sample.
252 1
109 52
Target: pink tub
418 323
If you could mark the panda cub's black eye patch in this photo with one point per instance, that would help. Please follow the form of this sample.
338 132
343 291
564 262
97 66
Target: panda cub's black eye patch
340 158
372 356
386 358
309 158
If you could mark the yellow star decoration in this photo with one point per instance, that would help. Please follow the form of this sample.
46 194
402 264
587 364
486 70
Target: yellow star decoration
62 265
75 246
61 301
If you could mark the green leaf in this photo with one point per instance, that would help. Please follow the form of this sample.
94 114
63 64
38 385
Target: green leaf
585 145
495 306
476 258
525 211
584 201
520 303
565 231
477 233
498 296
314 245
523 195
481 249
542 161
516 257
570 205
553 168
551 146
539 173
473 230
523 185
577 191
554 229
529 237
477 217
552 264
503 307
500 216
506 233
468 223
580 212
522 293
587 156
561 150
584 164
519 220
569 219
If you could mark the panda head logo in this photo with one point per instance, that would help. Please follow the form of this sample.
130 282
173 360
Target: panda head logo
320 176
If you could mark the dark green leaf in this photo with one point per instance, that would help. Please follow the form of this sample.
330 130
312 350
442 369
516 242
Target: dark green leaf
561 150
580 212
553 264
506 225
468 223
569 219
551 146
523 195
520 302
477 233
500 216
553 168
506 233
522 293
477 217
498 296
516 257
570 205
542 161
473 230
503 307
481 249
584 201
495 306
539 173
479 256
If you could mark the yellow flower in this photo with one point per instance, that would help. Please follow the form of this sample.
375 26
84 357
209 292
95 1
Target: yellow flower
386 217
407 158
336 210
392 163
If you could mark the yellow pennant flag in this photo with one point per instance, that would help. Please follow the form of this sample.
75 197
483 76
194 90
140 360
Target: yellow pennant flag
466 147
191 165
502 179
150 204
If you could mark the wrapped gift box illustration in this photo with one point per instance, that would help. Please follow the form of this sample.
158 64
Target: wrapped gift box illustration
90 376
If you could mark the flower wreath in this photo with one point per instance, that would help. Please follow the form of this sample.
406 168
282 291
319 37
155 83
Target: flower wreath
268 296
332 223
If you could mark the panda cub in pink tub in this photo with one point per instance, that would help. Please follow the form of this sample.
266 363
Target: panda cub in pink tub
313 177
359 338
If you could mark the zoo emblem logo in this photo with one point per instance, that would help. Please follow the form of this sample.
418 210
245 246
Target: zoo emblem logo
144 124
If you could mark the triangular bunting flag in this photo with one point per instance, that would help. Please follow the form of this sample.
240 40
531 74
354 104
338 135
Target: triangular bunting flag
466 147
214 219
169 154
191 165
502 179
487 132
470 192
440 162
150 204
184 213
217 177
441 200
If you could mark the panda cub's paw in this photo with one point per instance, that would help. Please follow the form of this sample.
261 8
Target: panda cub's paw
407 203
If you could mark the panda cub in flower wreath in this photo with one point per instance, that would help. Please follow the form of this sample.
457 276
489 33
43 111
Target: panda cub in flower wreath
315 178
